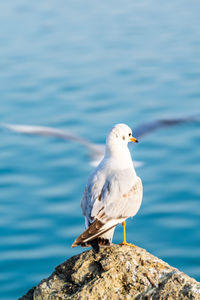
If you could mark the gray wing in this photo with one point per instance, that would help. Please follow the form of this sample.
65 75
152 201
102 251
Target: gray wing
118 199
47 131
96 150
92 194
151 126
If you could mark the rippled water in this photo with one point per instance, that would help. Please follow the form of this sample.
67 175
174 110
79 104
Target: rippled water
84 66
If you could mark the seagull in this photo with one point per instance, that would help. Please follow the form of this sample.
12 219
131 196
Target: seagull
113 192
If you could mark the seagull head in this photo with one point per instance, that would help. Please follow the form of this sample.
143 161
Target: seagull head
119 137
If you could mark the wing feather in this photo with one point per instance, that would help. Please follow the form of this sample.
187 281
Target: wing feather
120 198
114 204
96 229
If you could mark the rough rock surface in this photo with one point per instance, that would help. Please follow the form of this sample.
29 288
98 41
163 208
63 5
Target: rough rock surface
118 272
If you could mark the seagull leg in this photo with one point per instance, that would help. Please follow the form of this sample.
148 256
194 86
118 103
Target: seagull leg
124 232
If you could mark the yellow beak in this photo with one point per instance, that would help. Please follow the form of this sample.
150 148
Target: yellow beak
132 139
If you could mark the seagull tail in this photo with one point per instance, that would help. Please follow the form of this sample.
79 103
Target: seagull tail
96 229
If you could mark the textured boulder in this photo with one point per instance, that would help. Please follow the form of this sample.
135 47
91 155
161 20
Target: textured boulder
118 272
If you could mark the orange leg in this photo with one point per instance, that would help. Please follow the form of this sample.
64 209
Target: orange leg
124 232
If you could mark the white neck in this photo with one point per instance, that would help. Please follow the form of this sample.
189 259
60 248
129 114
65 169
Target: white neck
119 157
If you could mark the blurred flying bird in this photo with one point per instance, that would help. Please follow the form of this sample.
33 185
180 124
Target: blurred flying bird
96 151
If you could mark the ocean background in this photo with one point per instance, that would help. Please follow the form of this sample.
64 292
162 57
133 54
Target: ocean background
84 66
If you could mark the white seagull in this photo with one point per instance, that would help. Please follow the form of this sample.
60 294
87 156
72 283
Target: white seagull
113 192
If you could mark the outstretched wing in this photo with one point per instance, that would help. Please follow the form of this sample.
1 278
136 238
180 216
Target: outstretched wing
47 131
148 127
96 150
119 199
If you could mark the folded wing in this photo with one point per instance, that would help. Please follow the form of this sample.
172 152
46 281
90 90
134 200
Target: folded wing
113 205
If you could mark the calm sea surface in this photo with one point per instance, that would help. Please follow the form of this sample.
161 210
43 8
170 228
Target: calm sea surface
84 66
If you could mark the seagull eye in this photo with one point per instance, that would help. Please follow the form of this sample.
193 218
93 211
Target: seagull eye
129 134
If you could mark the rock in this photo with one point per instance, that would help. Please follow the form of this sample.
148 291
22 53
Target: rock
117 272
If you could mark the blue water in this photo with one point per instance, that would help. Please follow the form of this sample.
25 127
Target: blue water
84 66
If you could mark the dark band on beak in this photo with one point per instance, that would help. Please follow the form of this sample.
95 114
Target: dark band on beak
132 139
